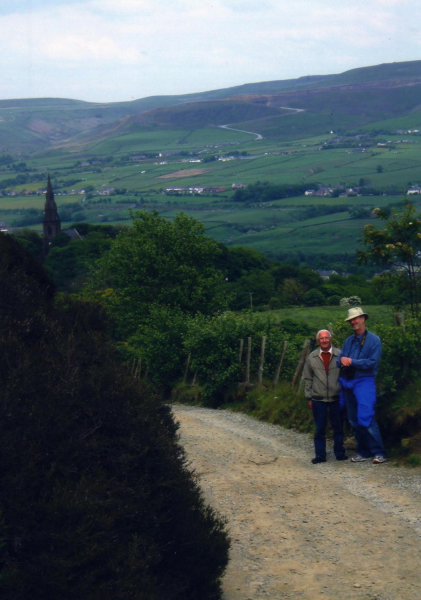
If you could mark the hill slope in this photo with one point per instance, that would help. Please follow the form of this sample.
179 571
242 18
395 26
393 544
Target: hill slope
361 95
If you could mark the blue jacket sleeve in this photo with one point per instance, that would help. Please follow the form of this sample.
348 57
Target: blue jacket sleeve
370 355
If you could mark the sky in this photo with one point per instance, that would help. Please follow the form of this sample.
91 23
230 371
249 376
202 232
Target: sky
119 50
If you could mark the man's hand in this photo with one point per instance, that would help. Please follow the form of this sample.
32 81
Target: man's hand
346 362
310 404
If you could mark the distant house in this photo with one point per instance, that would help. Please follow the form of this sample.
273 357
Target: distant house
324 191
4 227
238 186
413 191
327 274
106 191
310 193
175 189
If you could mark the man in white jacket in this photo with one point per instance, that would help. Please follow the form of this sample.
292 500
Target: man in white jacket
322 391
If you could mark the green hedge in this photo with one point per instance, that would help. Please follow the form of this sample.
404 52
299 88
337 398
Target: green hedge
95 495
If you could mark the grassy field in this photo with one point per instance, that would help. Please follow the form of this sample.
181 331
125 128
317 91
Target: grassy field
319 317
274 227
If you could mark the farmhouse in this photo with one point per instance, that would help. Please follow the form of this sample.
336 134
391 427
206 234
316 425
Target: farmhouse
327 274
178 190
106 191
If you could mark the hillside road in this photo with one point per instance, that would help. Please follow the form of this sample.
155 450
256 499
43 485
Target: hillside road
335 531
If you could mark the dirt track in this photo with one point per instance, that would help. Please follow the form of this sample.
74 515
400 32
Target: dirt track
332 531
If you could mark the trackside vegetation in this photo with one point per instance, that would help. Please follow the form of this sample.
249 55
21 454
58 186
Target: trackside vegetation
95 495
177 336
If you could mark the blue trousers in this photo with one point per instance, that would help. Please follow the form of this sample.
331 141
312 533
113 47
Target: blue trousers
369 439
320 412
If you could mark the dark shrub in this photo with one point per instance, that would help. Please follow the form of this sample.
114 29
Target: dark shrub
95 496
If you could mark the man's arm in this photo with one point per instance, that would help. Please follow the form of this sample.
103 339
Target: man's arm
308 375
371 361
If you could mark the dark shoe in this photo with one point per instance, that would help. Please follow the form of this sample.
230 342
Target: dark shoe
316 461
342 457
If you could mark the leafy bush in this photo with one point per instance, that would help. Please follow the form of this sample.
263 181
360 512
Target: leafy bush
283 405
333 300
158 262
314 298
351 301
159 343
214 344
95 495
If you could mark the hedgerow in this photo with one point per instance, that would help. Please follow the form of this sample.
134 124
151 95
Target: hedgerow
96 498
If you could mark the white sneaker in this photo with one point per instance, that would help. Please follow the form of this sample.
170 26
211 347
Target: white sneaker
358 458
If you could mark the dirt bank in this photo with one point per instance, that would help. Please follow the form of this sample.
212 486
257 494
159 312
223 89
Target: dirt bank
331 531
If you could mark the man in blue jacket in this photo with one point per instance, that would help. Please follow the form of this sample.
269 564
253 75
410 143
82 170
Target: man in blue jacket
359 360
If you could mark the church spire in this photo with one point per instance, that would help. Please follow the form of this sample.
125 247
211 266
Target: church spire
51 222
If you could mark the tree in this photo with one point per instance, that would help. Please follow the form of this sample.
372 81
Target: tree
31 241
68 261
292 291
94 490
260 285
314 298
159 262
158 267
397 245
379 169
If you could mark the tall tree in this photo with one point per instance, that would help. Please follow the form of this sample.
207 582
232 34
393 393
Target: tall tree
159 262
154 275
398 245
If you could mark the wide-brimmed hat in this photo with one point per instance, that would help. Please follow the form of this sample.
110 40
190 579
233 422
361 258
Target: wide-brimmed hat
356 311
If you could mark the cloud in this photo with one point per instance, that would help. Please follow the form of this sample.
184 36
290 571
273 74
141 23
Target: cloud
78 48
154 46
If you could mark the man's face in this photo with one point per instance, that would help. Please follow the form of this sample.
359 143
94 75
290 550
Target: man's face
324 340
357 324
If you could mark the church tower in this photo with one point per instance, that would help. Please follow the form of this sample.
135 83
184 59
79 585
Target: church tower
51 222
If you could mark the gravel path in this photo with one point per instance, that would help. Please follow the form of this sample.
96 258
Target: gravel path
336 531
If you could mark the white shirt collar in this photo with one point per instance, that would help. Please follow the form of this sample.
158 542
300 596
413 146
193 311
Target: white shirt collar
320 351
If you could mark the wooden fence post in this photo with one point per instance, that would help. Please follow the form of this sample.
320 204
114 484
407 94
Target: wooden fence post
138 369
301 361
240 354
281 360
248 360
400 320
262 360
186 372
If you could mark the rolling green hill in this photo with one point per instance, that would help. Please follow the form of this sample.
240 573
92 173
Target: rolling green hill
337 131
356 98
